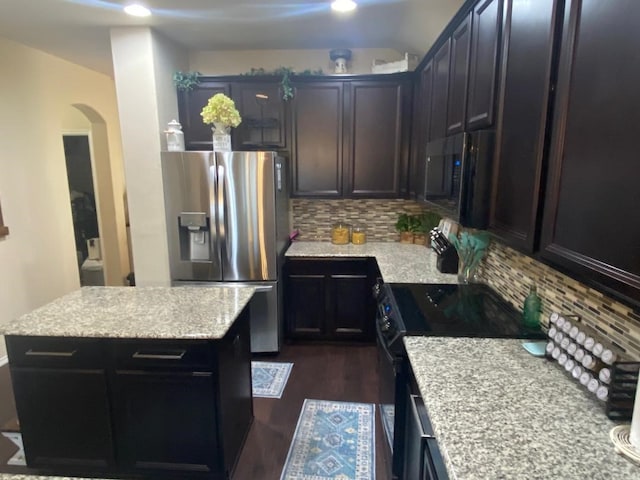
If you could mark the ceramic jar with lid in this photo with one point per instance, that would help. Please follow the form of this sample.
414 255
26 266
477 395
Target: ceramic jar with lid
175 136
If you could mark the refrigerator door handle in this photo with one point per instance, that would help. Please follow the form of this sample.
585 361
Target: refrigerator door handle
264 288
222 219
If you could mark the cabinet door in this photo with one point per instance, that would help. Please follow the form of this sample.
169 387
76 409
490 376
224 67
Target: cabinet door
64 417
527 63
306 297
263 116
198 135
377 154
351 314
317 139
487 16
166 421
420 132
459 76
441 60
592 207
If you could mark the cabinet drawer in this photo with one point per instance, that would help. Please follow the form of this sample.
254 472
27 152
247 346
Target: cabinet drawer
326 266
55 352
167 354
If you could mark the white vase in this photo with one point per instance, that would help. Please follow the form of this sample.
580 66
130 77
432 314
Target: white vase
221 138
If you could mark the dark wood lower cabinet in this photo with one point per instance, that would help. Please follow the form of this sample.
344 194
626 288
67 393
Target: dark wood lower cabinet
330 299
64 416
133 408
165 421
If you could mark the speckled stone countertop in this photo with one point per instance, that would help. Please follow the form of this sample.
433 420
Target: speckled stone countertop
398 262
10 476
500 413
136 312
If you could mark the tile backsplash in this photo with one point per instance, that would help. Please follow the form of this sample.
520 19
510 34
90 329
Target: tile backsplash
511 273
378 217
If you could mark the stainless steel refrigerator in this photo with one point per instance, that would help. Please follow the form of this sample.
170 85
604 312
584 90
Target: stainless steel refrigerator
228 222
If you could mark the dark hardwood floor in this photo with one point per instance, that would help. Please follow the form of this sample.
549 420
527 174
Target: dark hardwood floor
322 372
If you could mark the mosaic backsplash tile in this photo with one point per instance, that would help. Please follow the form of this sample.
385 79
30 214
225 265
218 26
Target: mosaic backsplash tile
511 273
378 217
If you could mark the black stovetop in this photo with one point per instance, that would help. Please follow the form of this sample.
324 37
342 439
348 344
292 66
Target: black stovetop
470 310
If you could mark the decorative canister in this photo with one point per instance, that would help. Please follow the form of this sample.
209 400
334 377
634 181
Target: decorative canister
340 234
358 236
175 136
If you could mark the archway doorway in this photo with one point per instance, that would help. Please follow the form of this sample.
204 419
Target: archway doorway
84 129
77 152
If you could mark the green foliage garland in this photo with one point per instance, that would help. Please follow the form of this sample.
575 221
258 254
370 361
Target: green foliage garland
185 81
285 73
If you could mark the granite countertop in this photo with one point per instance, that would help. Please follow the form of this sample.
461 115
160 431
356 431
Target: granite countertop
11 476
499 412
398 262
137 312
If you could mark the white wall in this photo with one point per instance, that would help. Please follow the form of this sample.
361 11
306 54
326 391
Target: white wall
144 63
241 61
38 260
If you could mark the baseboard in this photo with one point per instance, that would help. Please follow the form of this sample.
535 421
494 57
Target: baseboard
4 360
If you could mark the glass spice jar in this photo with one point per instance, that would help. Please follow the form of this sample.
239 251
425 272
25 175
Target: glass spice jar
340 234
358 236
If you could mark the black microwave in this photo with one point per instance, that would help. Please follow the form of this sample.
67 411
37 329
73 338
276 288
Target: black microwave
458 177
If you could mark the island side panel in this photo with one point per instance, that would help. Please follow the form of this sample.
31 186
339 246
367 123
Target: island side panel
235 400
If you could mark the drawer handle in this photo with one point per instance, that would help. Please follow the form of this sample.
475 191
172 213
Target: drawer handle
160 356
36 353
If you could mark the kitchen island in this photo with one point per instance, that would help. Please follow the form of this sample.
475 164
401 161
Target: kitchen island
499 412
151 382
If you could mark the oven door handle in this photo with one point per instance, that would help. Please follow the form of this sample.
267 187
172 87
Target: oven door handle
383 345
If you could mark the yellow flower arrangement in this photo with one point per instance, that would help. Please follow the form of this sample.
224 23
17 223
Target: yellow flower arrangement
221 109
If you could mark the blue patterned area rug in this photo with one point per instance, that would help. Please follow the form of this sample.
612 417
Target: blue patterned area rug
333 440
387 415
269 378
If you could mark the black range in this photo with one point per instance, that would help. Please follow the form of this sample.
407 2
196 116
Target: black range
465 310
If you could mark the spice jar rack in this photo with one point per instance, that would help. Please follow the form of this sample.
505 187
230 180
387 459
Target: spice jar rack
598 366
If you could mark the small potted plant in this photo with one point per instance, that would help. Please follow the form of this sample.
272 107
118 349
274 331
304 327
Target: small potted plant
425 223
406 225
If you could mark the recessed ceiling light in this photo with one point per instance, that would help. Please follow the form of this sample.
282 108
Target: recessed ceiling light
343 5
137 10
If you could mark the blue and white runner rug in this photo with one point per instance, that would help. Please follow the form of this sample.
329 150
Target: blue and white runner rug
269 378
333 440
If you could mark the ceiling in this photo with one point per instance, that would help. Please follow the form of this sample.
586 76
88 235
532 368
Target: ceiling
78 30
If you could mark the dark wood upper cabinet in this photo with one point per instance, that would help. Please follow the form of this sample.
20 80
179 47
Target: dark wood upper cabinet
317 143
198 135
485 39
263 112
590 222
523 111
439 97
459 76
350 138
377 150
421 116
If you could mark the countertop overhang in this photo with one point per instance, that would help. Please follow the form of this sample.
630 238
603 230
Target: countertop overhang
137 312
398 262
